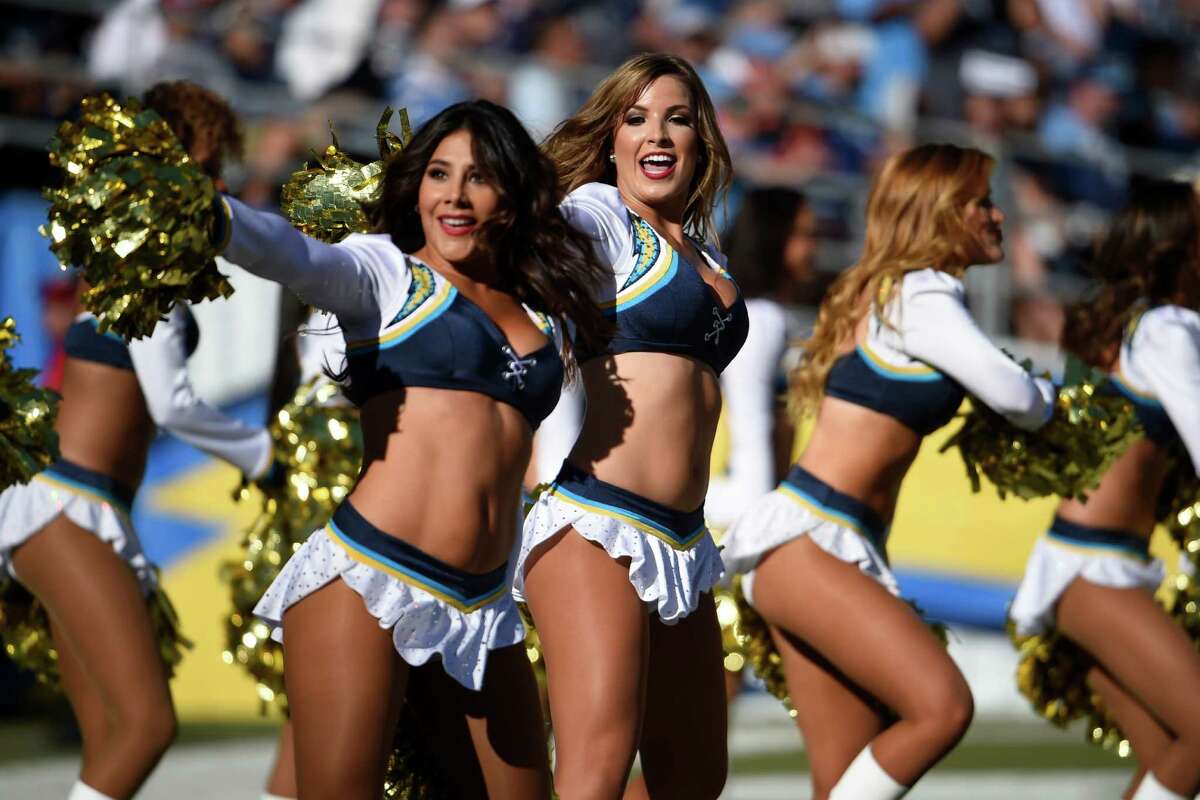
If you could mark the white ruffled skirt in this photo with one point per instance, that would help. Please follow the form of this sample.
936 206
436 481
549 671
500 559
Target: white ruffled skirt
803 505
25 509
1056 561
672 557
423 625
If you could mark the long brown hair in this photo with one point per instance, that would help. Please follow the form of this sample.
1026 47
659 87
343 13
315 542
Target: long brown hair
914 222
1150 255
544 262
580 145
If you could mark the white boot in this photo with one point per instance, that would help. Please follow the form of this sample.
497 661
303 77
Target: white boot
864 779
1151 789
81 791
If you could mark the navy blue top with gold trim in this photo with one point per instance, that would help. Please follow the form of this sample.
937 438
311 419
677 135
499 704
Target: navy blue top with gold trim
85 342
923 399
658 300
439 338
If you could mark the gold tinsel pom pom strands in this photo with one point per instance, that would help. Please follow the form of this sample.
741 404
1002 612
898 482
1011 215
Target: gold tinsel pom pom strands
330 200
28 442
134 214
1066 457
319 447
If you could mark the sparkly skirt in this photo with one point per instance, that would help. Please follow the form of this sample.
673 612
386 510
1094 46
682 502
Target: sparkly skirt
431 608
672 557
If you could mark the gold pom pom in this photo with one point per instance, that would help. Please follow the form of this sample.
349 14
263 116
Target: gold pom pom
25 631
134 213
412 772
319 447
329 201
1065 457
28 441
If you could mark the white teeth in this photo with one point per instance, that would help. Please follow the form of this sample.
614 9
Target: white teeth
456 223
663 160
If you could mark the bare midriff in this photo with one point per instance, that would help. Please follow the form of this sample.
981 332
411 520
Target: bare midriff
1127 494
861 453
650 423
102 423
442 471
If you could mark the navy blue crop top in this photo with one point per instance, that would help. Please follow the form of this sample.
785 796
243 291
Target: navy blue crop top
441 339
658 300
919 397
85 342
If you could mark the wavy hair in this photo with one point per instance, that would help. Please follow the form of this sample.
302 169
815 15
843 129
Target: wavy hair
544 262
1150 255
915 221
580 145
201 119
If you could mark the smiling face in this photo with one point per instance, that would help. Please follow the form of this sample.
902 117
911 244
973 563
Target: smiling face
657 148
454 199
982 220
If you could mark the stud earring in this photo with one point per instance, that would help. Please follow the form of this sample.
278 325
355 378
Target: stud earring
612 157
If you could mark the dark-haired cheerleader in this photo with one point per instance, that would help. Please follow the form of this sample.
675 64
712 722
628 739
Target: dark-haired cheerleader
1091 576
449 314
876 696
67 536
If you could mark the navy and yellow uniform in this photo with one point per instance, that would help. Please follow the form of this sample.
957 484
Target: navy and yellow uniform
660 304
922 353
405 326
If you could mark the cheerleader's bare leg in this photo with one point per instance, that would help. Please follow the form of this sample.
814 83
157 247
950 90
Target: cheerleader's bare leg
345 684
282 780
836 717
1146 735
1152 659
490 743
683 744
880 645
595 639
112 671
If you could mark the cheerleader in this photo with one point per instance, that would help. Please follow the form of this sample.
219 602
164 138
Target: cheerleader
616 563
877 698
1091 576
67 536
447 314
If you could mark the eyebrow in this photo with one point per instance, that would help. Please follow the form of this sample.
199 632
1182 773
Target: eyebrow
676 107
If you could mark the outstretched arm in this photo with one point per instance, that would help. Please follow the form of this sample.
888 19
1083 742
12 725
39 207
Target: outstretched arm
1171 365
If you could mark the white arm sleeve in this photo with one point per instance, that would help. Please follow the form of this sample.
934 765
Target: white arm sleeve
936 328
160 364
1167 353
748 388
350 278
597 210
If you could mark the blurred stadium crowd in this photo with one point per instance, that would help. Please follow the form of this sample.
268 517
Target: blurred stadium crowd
1075 97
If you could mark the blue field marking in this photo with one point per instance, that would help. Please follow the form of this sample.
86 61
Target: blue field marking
958 599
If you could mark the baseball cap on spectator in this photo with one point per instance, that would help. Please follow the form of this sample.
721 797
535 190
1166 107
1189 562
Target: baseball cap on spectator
1109 72
994 75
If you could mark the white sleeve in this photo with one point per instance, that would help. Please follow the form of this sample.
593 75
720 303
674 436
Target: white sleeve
1168 358
748 388
596 209
349 278
936 328
160 364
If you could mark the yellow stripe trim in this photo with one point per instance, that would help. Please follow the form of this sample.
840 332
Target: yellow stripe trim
400 576
1125 384
919 369
634 523
79 490
817 511
1095 550
427 309
648 281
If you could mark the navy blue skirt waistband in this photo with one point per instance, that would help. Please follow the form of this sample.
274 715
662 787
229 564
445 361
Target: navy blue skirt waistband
834 505
681 529
87 481
366 543
1107 538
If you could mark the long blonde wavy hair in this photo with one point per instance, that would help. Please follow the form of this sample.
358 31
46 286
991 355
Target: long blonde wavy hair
915 220
580 145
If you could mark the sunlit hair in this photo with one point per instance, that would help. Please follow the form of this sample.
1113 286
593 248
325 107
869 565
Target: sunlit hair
544 262
201 120
915 221
1150 255
581 144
